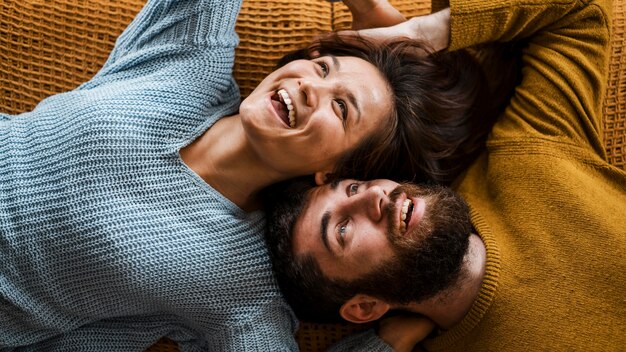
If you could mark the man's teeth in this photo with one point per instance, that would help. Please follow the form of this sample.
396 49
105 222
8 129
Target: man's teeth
292 116
403 212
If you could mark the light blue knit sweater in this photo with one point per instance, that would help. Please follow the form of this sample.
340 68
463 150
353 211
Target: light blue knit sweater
107 240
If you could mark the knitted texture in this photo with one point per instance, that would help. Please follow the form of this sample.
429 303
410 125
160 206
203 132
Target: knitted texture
108 241
51 46
614 113
270 29
548 206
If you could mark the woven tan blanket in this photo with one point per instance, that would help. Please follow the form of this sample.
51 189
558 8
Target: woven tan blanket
51 46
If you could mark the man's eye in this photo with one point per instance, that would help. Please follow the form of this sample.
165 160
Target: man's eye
324 68
343 229
352 189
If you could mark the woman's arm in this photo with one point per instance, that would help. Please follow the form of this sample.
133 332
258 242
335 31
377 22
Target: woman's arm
167 28
433 29
373 13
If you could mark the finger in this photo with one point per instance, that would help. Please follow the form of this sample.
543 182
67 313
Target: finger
423 328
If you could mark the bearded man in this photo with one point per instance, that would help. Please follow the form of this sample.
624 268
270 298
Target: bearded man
528 254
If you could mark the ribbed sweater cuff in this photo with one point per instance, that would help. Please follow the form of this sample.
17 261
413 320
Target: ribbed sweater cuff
474 22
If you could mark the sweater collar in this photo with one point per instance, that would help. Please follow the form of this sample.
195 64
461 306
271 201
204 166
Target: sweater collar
487 292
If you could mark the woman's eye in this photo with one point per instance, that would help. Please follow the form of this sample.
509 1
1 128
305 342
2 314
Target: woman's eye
352 189
343 108
324 68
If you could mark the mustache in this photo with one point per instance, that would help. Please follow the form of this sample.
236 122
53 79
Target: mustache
429 193
391 210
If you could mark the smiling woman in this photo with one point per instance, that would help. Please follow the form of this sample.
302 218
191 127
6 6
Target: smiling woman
436 115
327 98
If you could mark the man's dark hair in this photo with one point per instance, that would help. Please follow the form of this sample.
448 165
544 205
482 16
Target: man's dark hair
301 281
316 297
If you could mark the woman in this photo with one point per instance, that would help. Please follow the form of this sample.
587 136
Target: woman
129 210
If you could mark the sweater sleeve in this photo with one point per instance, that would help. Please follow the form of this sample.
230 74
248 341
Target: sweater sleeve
564 63
365 341
166 30
272 329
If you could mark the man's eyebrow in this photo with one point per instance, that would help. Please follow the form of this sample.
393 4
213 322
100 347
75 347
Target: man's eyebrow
351 97
324 230
334 183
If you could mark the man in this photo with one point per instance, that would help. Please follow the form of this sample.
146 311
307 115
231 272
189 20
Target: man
534 261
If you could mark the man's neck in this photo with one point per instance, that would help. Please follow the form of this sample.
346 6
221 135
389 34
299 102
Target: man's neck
448 308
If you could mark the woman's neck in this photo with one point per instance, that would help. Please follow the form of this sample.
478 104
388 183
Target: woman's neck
224 159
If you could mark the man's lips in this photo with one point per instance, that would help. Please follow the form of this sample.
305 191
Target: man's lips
415 212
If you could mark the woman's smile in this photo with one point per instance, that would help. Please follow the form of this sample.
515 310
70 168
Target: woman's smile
281 109
305 115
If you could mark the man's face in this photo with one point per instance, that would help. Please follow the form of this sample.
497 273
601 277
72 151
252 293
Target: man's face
351 227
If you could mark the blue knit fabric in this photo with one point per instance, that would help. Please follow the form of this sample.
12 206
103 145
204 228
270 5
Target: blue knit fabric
107 240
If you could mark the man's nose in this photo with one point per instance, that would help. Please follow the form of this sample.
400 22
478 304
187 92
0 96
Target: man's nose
371 202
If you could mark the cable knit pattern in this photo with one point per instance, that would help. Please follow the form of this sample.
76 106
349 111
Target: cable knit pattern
108 241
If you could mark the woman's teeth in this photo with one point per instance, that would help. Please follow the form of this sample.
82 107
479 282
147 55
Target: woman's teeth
403 215
285 98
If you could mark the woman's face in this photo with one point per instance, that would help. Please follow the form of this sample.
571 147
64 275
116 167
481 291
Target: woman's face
304 116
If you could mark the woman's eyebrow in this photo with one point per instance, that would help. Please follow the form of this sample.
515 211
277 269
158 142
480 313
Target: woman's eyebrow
355 104
336 62
349 94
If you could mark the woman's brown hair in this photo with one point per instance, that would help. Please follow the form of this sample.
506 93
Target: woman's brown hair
442 110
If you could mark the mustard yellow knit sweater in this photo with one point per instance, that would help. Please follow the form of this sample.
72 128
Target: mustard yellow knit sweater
550 209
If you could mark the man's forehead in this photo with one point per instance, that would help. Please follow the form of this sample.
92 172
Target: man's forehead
312 197
334 183
317 204
319 193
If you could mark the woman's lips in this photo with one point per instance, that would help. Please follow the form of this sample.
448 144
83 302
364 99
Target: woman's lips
279 110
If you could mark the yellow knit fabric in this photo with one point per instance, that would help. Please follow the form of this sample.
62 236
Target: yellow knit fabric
551 211
50 46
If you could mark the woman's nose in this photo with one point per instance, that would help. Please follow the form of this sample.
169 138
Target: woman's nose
313 90
307 88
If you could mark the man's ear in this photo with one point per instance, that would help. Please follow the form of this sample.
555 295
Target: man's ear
323 177
363 309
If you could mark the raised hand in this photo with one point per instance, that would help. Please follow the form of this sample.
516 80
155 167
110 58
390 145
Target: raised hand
433 29
403 332
373 14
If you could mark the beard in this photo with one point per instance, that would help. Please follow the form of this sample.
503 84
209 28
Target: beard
429 259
